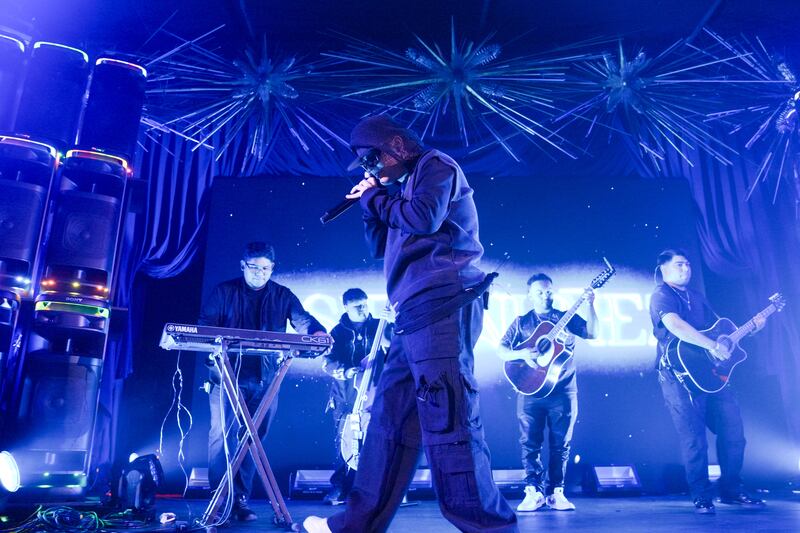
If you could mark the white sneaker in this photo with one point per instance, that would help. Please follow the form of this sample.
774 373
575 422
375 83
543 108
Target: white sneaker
558 501
533 499
316 524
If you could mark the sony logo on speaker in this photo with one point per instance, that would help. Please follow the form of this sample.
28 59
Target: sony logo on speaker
74 299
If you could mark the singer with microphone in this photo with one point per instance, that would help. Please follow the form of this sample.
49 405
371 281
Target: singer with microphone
370 161
420 217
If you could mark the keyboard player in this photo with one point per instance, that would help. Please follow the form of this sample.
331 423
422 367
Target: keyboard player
252 301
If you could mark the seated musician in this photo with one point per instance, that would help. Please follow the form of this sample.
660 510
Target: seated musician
557 410
353 338
678 311
252 301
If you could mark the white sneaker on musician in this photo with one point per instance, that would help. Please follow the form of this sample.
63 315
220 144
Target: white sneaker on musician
558 501
533 499
316 524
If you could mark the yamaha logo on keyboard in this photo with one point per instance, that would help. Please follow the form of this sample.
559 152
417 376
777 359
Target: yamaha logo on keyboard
181 329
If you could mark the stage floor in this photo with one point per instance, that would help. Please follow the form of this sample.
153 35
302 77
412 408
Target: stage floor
646 514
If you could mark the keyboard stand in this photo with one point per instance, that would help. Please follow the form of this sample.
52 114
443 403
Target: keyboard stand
249 442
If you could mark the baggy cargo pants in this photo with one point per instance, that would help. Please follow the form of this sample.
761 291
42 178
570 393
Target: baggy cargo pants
427 396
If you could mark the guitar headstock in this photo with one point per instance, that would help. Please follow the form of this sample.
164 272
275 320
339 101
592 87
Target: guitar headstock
778 301
603 277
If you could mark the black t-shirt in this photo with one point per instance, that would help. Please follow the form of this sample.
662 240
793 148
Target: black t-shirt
690 305
253 301
252 305
524 326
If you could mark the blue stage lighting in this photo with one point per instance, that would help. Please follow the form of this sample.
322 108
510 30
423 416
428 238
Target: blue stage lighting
9 472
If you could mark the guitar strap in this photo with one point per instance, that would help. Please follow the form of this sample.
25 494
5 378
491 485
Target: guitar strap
663 364
436 314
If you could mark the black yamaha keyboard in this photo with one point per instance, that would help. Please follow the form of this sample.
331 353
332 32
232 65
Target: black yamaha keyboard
195 338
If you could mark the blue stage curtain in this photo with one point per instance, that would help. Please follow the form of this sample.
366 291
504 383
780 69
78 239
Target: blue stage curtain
752 245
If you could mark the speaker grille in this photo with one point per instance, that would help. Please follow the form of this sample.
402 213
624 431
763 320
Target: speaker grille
58 401
84 231
21 208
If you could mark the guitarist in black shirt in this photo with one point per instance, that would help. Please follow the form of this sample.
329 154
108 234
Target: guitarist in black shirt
558 409
680 312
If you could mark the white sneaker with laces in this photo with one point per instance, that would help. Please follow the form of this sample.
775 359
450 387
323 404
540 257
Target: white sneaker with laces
316 524
558 501
533 499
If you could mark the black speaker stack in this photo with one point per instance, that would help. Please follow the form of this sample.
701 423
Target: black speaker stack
68 132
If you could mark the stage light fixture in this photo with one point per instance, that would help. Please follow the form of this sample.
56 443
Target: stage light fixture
198 478
9 472
509 481
313 484
612 479
310 483
138 485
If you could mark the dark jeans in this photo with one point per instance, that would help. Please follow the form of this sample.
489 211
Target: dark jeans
427 396
558 412
253 391
691 414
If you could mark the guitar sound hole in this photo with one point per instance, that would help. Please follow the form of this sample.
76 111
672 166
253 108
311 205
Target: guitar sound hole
726 342
543 346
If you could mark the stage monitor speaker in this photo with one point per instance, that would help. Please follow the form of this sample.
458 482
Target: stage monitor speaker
83 235
114 109
52 95
55 414
12 63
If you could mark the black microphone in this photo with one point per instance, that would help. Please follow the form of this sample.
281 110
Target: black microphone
338 209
